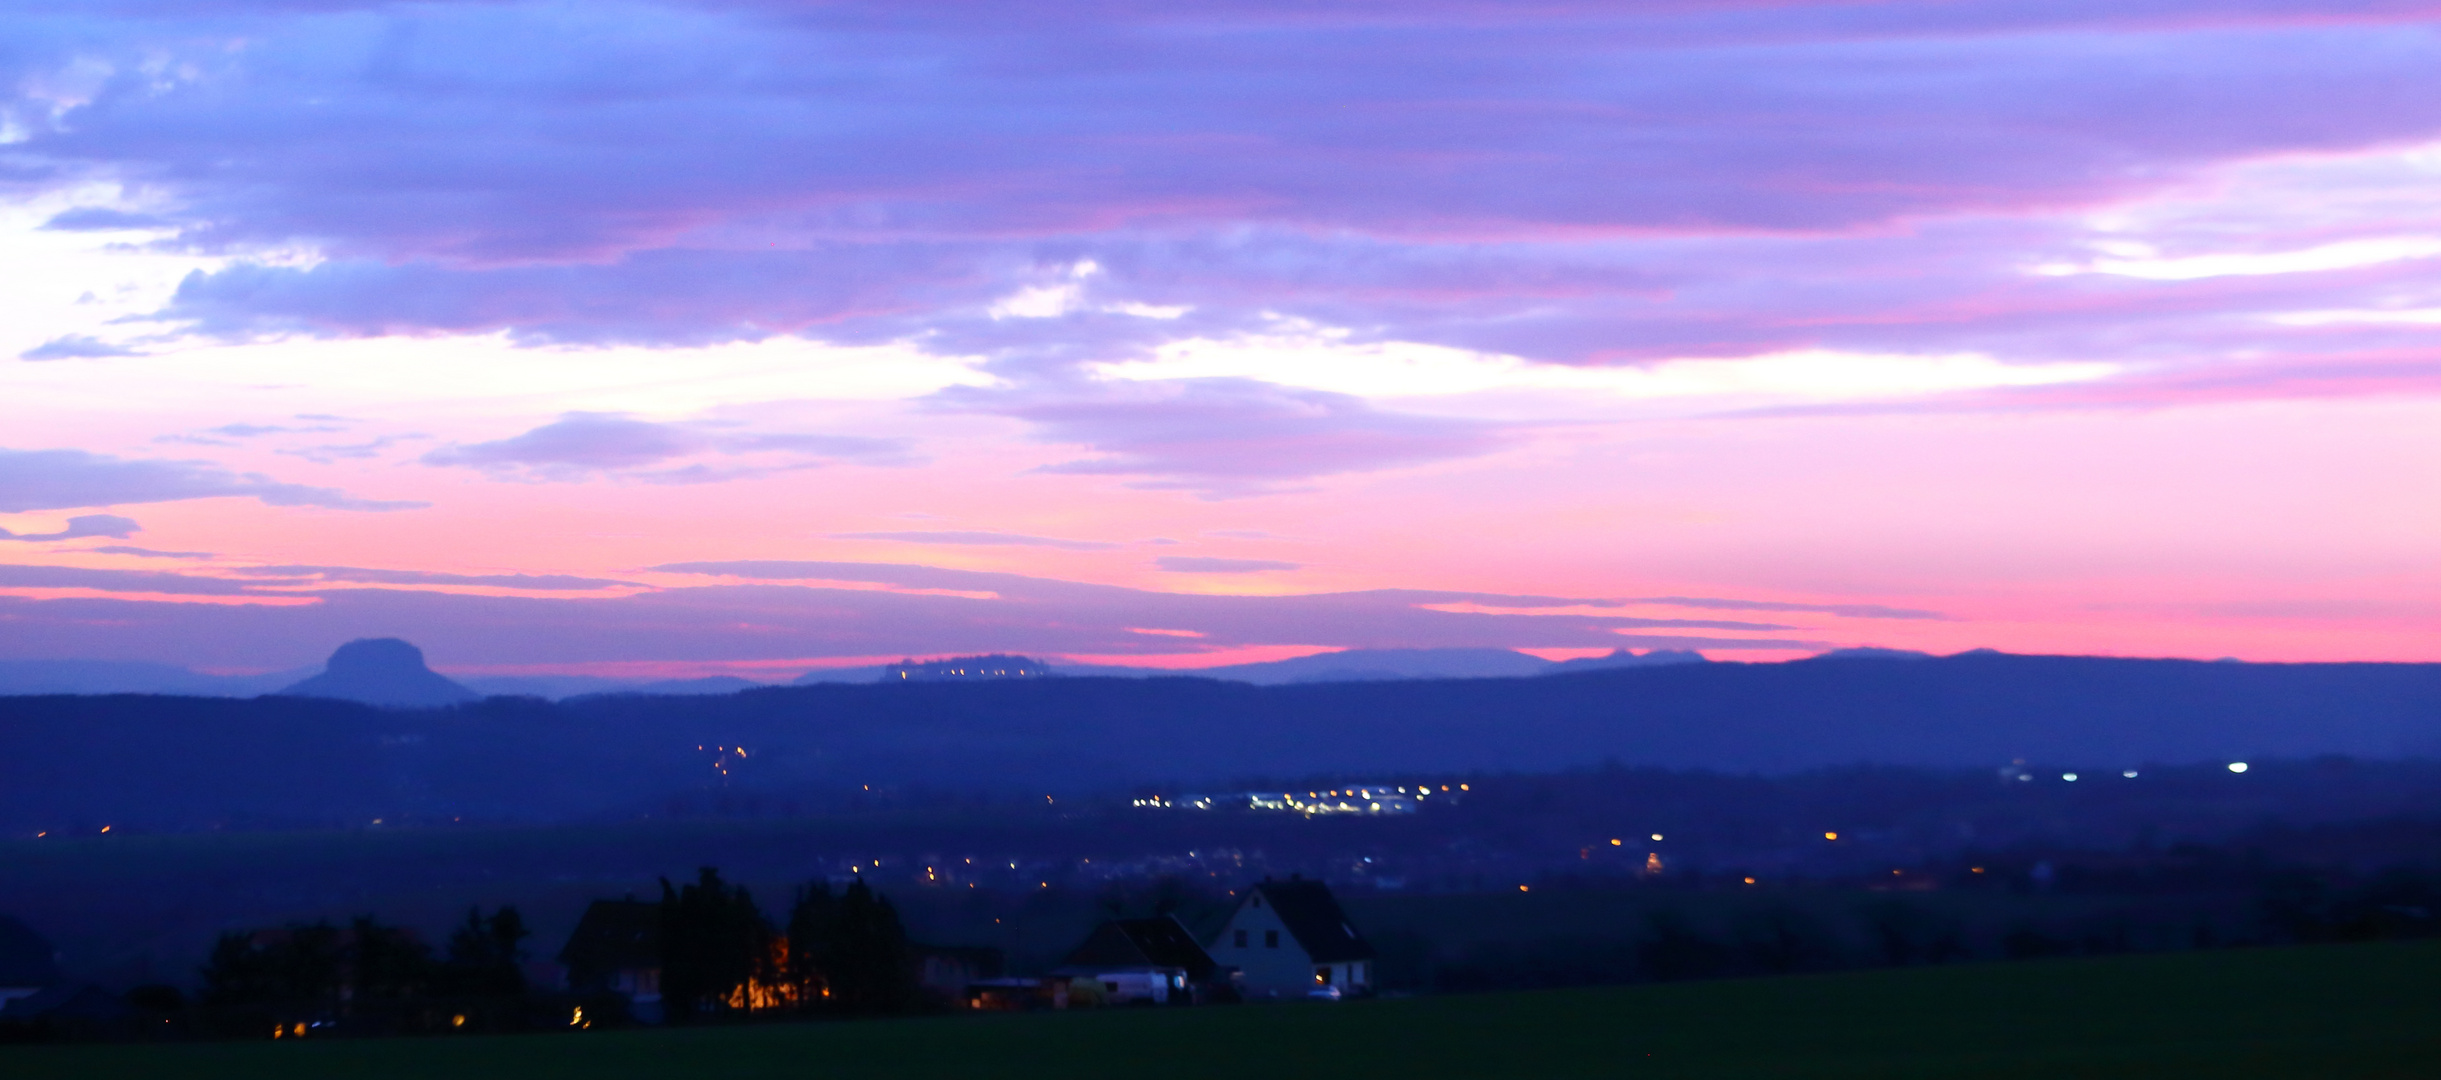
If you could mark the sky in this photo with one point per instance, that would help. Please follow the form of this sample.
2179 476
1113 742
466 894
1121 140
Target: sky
747 337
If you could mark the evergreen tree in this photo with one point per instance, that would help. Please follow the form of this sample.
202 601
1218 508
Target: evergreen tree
866 960
713 942
813 923
485 954
386 963
302 965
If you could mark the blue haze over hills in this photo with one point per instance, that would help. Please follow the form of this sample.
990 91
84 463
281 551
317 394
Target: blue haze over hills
20 677
186 762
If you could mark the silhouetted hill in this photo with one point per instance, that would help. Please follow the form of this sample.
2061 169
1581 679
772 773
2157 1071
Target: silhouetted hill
715 684
1620 658
1373 665
1344 665
129 677
381 671
177 762
1376 665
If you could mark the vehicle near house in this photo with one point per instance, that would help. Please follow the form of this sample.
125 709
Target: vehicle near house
1154 961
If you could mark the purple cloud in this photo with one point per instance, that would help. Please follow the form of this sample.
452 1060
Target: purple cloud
582 445
120 581
149 553
66 479
981 538
84 525
363 575
1582 183
1849 611
1225 437
1199 564
76 347
790 613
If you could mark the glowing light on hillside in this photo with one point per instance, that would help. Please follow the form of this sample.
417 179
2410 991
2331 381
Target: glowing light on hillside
2237 766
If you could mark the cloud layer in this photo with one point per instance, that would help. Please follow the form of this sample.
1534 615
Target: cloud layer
580 446
1895 321
1574 184
69 479
793 610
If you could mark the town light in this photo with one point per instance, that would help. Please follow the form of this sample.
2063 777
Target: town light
2234 766
1830 836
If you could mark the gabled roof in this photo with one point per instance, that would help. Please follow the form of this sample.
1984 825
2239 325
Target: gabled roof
614 935
25 958
1136 943
69 1002
1313 917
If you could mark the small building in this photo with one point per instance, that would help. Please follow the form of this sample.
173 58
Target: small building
616 948
947 971
965 669
28 964
1290 938
1154 960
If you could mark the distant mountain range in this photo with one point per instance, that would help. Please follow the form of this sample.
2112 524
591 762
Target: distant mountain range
75 761
394 687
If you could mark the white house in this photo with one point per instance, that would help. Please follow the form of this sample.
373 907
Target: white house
1287 938
27 962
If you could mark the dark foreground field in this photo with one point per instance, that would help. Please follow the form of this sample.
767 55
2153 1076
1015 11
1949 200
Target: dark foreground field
2324 1012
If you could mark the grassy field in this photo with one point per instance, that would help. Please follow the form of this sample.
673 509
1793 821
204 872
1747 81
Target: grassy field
2321 1012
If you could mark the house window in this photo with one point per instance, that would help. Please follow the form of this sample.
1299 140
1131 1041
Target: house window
1271 939
1241 939
1322 975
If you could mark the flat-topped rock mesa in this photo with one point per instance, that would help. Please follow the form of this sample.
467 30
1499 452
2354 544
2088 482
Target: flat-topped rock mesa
382 671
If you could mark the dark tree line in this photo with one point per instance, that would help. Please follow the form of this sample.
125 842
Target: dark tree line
841 953
362 975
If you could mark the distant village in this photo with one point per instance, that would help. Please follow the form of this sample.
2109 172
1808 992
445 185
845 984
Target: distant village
1256 888
701 952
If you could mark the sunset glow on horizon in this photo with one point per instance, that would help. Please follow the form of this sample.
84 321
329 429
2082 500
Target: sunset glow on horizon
668 339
